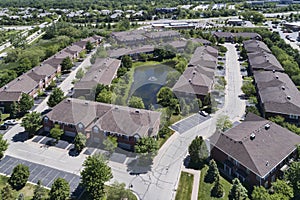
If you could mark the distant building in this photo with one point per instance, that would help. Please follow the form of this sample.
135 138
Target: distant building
235 22
102 72
230 37
198 79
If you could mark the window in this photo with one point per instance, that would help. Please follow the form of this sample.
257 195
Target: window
80 125
257 178
247 171
293 116
95 129
236 163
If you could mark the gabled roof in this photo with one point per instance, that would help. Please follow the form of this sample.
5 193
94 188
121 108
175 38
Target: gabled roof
108 117
195 80
205 56
23 83
10 96
277 92
264 61
253 46
267 148
103 71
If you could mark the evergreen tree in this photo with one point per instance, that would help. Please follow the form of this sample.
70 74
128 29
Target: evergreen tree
218 190
212 172
238 191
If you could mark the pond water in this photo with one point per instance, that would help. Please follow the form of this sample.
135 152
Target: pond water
148 80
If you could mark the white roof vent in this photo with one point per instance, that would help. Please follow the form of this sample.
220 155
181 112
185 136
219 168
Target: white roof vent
277 77
190 80
273 70
267 163
288 97
86 103
137 111
252 136
267 126
282 87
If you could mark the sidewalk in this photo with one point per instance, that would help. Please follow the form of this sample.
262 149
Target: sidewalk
196 174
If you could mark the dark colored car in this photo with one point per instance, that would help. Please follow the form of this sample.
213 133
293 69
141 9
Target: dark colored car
3 127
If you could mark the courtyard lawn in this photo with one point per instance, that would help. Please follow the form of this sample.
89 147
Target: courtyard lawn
204 188
185 187
27 190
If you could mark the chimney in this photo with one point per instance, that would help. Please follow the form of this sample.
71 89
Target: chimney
267 126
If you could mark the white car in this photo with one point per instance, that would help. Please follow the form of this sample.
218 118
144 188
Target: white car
10 122
203 113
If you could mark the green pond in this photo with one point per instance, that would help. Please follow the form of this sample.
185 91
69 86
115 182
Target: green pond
148 80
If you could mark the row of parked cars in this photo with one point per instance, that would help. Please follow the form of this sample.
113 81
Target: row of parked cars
8 123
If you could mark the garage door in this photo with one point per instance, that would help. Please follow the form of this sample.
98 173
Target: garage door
70 133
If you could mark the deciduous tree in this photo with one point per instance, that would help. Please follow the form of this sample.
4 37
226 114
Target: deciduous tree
136 102
95 173
56 133
198 152
56 97
292 175
39 191
66 64
60 190
147 146
26 103
110 144
126 62
32 122
89 47
80 142
3 146
19 176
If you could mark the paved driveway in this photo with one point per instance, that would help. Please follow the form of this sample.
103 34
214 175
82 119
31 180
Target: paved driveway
189 123
39 172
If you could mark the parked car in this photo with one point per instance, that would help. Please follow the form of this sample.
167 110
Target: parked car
3 127
203 113
10 122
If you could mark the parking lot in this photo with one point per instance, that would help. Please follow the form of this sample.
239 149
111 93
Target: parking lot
188 123
40 172
44 140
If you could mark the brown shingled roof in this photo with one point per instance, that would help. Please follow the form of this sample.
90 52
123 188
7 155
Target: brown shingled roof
112 118
274 90
264 151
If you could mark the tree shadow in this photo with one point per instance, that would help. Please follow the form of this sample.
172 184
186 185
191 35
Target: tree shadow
140 165
20 137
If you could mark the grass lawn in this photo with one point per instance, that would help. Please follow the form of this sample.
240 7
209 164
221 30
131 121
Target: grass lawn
4 117
85 195
27 190
204 188
185 187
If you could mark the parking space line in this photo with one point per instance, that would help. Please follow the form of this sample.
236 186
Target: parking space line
52 180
